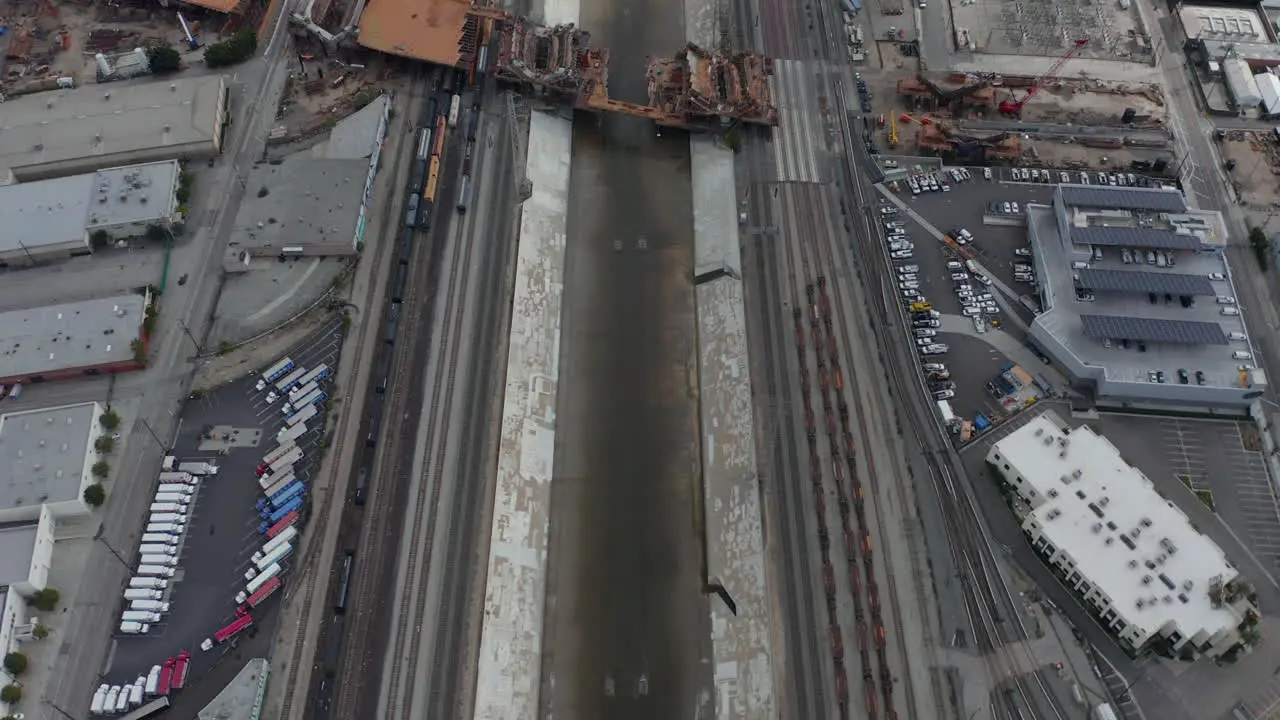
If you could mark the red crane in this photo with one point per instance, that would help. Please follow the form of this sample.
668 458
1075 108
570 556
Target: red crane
1014 107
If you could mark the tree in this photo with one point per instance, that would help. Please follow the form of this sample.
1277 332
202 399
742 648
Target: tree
236 49
45 600
163 59
109 420
99 239
11 694
139 349
41 631
95 495
1261 247
15 663
101 469
104 444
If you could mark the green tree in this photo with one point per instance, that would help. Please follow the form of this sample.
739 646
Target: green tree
101 469
99 239
163 59
236 49
45 600
95 495
41 631
1261 247
104 444
109 420
156 233
15 663
11 694
139 349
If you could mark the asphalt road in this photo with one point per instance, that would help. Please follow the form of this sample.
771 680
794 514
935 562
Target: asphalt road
627 630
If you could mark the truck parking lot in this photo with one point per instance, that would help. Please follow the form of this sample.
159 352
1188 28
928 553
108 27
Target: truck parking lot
233 427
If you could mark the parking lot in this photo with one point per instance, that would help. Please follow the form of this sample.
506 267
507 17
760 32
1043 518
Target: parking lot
1208 456
233 427
930 237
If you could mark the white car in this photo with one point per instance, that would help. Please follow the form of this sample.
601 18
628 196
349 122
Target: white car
986 173
944 394
909 277
1014 205
1084 178
1217 276
909 285
959 276
272 397
982 279
909 294
1022 252
1226 300
970 310
1065 177
925 333
954 265
909 268
924 341
1230 310
934 367
1006 208
901 254
888 210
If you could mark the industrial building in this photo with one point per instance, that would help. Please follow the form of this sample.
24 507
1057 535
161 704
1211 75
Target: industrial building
1137 304
58 342
56 218
1145 571
26 553
81 130
313 203
48 455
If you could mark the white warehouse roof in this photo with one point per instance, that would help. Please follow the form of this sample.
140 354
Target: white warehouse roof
1130 543
1269 88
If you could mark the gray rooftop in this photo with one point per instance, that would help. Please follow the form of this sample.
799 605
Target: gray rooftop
17 544
106 120
1170 201
133 193
310 200
241 699
356 136
73 335
1184 332
1135 237
45 213
1063 316
44 453
1145 281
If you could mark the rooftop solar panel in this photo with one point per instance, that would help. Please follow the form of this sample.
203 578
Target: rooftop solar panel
1135 238
1170 201
1181 332
1144 281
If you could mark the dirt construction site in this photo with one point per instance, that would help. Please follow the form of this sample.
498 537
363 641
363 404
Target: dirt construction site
1253 162
1047 27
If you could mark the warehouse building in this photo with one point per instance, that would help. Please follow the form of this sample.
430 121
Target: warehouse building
1137 304
57 218
26 552
1148 575
80 130
48 456
58 342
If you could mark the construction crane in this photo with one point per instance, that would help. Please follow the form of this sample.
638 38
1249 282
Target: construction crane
1013 107
893 131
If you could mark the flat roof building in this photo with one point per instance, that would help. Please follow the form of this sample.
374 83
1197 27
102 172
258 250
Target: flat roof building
312 203
48 455
26 552
56 342
1137 301
1134 556
55 218
80 130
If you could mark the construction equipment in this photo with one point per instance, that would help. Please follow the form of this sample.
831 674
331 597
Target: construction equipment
893 132
1013 107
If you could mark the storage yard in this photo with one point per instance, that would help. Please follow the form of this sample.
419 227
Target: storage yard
1047 28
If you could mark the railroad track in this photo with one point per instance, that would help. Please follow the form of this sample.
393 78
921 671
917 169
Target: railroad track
336 451
806 684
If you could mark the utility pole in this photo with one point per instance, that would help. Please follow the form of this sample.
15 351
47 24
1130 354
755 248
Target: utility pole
163 450
187 331
98 536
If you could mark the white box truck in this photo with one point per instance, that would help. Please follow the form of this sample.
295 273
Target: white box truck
167 507
148 583
122 701
162 571
176 488
176 498
153 680
155 606
162 560
143 594
184 478
142 616
135 693
166 528
198 468
129 627
159 538
168 517
157 549
99 700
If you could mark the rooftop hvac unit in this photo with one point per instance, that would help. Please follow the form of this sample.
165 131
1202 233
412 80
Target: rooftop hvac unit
1077 473
1039 432
1146 522
1048 440
1053 493
1066 479
1188 585
1105 501
1146 579
1062 453
1141 603
1097 528
1133 564
1108 541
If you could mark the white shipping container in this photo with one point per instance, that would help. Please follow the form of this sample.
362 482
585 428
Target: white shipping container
142 616
157 549
165 528
142 594
159 538
162 571
162 560
148 582
152 605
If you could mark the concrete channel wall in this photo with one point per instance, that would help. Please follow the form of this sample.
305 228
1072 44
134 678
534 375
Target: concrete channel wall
740 614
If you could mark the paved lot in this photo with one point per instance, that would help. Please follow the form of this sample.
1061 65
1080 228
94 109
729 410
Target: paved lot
270 293
1210 455
222 530
104 273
